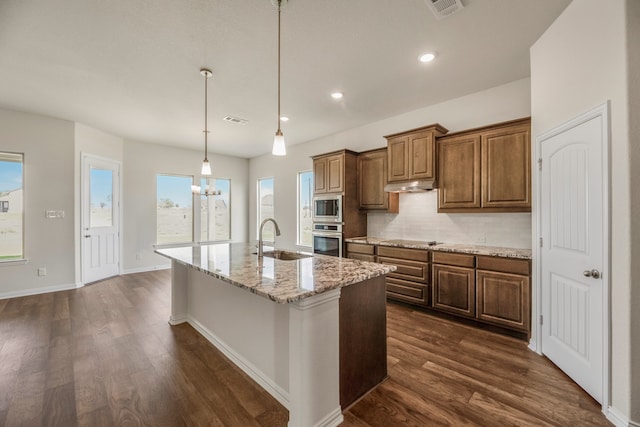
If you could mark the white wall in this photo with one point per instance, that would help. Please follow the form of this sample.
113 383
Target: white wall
97 143
142 163
502 103
48 145
580 62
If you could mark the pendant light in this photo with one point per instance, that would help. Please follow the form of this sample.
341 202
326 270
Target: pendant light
206 166
279 148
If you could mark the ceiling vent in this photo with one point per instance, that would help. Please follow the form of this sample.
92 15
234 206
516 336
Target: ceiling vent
443 8
235 120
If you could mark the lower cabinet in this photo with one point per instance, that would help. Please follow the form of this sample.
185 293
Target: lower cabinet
361 251
454 285
504 292
492 290
410 282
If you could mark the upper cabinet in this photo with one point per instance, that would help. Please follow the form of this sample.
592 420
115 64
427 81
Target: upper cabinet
372 177
412 154
328 173
486 169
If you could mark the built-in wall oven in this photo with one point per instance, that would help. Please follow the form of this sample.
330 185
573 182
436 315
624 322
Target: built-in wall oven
327 239
327 208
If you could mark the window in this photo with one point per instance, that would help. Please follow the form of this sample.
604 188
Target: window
215 209
265 208
305 192
174 209
11 210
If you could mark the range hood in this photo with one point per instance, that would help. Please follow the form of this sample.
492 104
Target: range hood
411 186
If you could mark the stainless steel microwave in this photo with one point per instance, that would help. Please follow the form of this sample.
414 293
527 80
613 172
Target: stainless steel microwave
327 208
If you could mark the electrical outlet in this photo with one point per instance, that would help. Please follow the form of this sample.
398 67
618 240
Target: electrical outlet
42 271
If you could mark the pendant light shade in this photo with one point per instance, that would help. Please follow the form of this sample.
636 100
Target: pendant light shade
278 144
206 166
279 148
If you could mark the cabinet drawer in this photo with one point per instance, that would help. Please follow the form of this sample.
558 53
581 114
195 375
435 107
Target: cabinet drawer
361 257
408 270
406 291
361 248
402 253
506 265
461 260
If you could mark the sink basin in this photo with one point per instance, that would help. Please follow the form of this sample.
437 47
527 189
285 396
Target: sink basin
285 255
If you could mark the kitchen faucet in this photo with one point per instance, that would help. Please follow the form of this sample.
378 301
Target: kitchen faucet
260 243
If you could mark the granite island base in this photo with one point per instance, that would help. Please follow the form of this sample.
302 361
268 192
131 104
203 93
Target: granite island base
312 332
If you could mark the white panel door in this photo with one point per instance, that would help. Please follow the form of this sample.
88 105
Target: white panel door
573 215
100 219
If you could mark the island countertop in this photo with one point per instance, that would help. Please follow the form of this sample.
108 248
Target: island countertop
278 280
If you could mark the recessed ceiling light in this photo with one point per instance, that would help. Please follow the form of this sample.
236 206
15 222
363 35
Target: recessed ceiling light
426 57
336 95
284 118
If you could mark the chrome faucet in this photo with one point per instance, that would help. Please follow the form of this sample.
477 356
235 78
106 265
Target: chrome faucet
260 243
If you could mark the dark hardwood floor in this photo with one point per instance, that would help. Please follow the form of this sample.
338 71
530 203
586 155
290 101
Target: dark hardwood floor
104 355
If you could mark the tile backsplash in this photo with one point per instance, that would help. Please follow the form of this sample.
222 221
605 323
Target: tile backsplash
419 220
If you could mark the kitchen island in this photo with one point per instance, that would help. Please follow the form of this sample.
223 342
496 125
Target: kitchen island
310 330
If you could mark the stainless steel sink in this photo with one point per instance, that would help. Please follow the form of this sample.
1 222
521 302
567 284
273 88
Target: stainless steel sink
285 255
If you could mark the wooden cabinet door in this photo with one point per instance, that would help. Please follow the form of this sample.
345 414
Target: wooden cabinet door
454 290
398 152
503 299
335 174
459 169
421 156
506 168
372 175
320 176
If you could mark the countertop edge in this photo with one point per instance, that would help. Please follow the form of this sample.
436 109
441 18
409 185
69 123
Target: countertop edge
482 250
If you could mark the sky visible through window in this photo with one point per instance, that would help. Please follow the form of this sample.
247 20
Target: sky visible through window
175 188
10 176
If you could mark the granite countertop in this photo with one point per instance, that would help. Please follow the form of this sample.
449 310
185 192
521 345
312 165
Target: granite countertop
278 280
446 247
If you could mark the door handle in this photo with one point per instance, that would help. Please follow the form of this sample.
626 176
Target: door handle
86 236
592 273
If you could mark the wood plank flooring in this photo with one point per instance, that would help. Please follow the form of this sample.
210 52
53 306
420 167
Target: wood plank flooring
104 355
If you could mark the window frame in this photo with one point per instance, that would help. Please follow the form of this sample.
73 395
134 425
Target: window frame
299 207
199 198
259 204
22 259
187 242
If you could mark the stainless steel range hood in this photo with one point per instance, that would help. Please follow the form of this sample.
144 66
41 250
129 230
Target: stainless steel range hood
411 186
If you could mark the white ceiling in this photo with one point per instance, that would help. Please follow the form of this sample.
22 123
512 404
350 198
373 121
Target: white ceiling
131 67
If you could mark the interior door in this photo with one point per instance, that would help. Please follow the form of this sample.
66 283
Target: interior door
100 218
574 252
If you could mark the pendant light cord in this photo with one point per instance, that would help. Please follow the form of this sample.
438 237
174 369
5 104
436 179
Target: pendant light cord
206 130
279 8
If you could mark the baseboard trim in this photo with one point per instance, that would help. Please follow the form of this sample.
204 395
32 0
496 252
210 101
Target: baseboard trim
618 419
533 346
334 419
249 368
145 269
37 291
